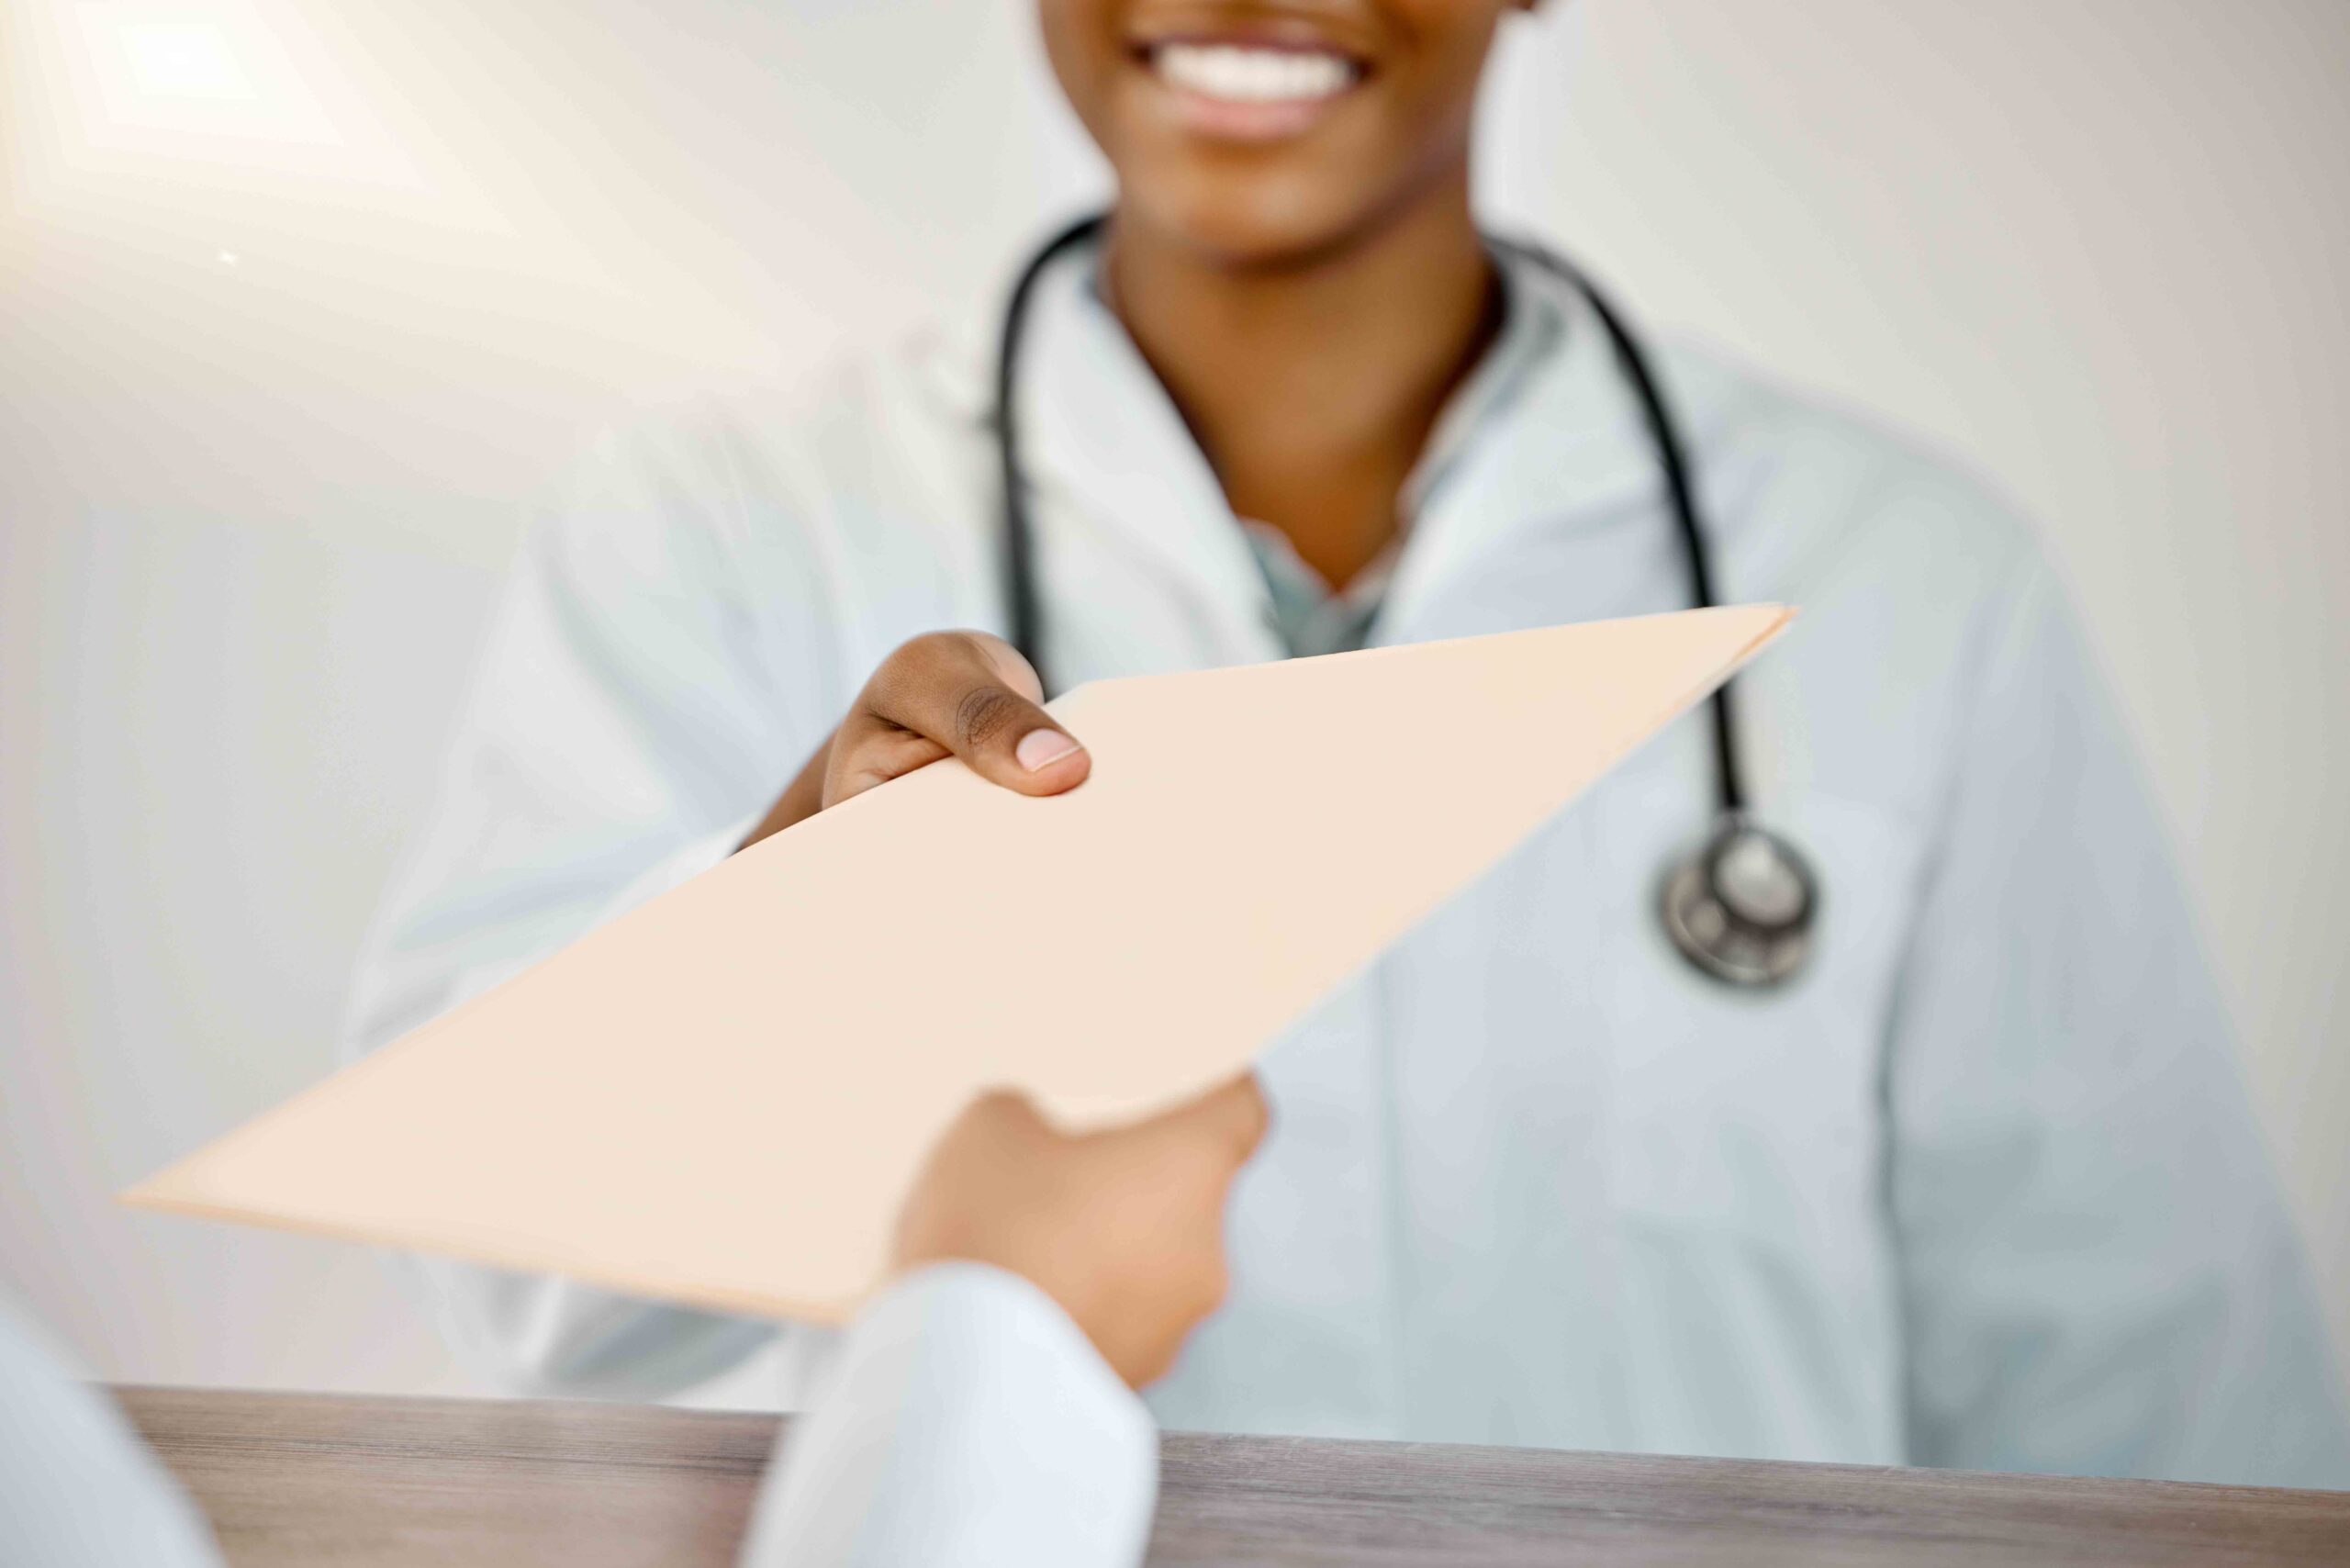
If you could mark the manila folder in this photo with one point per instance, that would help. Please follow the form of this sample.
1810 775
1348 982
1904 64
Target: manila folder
721 1097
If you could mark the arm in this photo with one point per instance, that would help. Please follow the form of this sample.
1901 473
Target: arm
2101 1275
980 1413
970 1422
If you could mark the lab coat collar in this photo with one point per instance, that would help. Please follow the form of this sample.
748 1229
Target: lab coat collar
1554 444
1531 331
1099 425
1565 452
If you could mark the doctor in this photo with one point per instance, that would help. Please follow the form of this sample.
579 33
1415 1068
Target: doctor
1964 1176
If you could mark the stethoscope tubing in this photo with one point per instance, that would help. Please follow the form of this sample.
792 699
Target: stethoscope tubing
1673 460
1700 911
1016 537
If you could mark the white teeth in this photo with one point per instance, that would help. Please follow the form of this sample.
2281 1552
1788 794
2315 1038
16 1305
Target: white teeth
1252 75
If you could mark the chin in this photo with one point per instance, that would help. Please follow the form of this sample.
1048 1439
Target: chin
1268 218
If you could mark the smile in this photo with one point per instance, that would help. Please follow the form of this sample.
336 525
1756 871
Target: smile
1247 91
1236 74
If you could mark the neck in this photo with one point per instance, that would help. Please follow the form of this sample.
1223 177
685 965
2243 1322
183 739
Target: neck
1311 385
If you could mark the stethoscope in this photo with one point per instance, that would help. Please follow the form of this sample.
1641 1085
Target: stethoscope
1742 907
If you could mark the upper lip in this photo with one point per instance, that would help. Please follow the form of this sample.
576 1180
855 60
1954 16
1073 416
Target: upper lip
1260 26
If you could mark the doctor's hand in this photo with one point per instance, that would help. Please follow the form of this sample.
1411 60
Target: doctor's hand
1122 1228
964 694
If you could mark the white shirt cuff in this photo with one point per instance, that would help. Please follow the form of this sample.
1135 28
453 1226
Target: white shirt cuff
969 1421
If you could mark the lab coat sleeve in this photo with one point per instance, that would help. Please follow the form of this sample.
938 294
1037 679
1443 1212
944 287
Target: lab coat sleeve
2099 1274
647 687
77 1487
970 1422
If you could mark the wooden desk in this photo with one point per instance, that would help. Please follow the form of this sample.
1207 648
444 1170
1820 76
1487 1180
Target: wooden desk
329 1482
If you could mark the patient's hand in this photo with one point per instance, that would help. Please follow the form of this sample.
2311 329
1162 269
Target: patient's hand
1124 1228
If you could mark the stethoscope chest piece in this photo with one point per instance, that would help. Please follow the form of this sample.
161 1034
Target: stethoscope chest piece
1742 909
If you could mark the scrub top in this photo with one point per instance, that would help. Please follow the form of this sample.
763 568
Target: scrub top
1980 1187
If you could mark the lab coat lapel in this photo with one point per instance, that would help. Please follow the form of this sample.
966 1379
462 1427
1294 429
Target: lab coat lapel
1566 464
1107 449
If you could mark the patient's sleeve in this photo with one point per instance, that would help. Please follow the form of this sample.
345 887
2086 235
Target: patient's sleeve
77 1488
969 1423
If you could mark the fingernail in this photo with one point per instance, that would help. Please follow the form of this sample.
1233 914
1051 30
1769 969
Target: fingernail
1038 748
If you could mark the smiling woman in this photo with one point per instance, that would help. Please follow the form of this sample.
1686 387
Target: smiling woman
1977 1186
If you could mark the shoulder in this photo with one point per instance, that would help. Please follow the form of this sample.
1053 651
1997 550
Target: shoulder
870 435
1924 588
855 492
1840 482
1824 504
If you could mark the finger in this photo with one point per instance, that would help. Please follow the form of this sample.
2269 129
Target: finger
993 1124
997 1131
976 696
1007 1110
869 750
1228 1121
1011 665
801 799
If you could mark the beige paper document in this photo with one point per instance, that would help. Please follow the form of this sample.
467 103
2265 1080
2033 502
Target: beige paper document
722 1097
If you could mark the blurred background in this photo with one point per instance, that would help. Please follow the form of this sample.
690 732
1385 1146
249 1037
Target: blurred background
302 303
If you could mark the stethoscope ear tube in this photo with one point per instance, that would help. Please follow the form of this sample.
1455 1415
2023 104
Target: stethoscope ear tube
1742 908
1680 493
1024 614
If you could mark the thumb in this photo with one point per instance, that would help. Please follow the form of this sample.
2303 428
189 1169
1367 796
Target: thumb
974 694
1227 1122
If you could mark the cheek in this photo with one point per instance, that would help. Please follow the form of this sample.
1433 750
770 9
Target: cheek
1436 21
1451 40
1082 43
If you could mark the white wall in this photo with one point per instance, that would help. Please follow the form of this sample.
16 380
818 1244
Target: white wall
252 510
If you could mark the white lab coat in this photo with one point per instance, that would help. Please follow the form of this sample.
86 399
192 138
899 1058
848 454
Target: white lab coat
1981 1188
